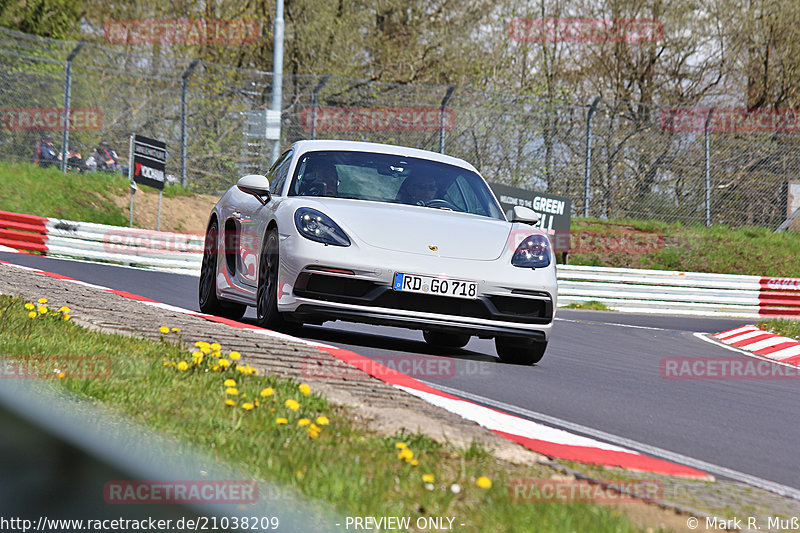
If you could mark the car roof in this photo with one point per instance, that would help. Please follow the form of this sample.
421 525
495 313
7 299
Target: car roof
359 146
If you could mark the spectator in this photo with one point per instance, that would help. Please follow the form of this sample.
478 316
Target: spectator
45 153
417 190
103 158
75 161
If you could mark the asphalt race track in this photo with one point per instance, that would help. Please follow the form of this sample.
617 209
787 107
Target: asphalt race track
601 370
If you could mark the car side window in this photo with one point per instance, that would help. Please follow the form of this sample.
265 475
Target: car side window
278 173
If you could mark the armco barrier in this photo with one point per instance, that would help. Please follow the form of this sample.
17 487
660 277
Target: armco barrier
99 242
621 289
672 292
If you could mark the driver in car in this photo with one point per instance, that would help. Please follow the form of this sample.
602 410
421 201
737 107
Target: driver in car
321 179
417 190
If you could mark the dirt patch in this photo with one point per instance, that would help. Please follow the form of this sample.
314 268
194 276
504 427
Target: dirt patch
183 214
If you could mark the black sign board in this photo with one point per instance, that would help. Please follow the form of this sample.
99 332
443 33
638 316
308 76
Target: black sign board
553 210
149 161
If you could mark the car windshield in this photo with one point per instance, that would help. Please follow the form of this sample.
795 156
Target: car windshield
393 179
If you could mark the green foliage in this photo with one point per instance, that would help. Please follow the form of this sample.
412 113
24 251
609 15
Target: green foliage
57 19
26 188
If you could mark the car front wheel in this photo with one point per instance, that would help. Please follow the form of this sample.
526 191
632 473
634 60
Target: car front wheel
520 351
267 312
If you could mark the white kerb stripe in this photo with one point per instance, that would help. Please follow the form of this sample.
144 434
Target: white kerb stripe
743 336
495 420
786 353
734 332
766 343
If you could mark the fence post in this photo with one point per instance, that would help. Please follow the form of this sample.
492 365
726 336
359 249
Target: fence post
708 168
277 75
446 99
317 89
184 83
67 97
587 171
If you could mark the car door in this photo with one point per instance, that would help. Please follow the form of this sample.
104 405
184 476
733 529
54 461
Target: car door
253 217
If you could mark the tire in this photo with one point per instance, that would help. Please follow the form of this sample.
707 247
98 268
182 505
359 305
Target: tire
207 287
520 351
267 314
445 340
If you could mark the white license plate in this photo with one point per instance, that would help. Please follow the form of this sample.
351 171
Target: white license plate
440 286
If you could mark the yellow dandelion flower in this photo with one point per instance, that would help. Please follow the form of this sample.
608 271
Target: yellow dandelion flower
32 314
163 329
183 366
233 391
229 383
401 445
65 317
314 427
240 369
29 306
63 309
215 368
428 478
230 403
269 391
414 462
323 420
205 349
42 309
303 422
405 454
251 370
200 344
42 301
174 330
215 346
247 406
299 474
61 375
313 434
281 420
224 363
166 364
484 482
292 404
234 356
304 389
217 354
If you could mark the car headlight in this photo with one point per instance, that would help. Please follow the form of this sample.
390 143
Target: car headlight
533 252
319 227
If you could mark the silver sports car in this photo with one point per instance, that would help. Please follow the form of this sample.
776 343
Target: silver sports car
363 232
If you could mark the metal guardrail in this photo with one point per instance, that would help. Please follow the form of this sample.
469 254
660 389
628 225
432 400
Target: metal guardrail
621 289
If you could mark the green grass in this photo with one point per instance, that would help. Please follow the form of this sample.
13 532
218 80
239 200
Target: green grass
25 188
592 305
783 327
348 465
658 245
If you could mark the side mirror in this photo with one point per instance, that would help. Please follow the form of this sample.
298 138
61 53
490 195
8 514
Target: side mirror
524 215
255 184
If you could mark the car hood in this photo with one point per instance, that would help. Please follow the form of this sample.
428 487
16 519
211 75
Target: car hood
421 230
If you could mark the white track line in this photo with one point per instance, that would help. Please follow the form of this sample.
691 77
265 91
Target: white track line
661 453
